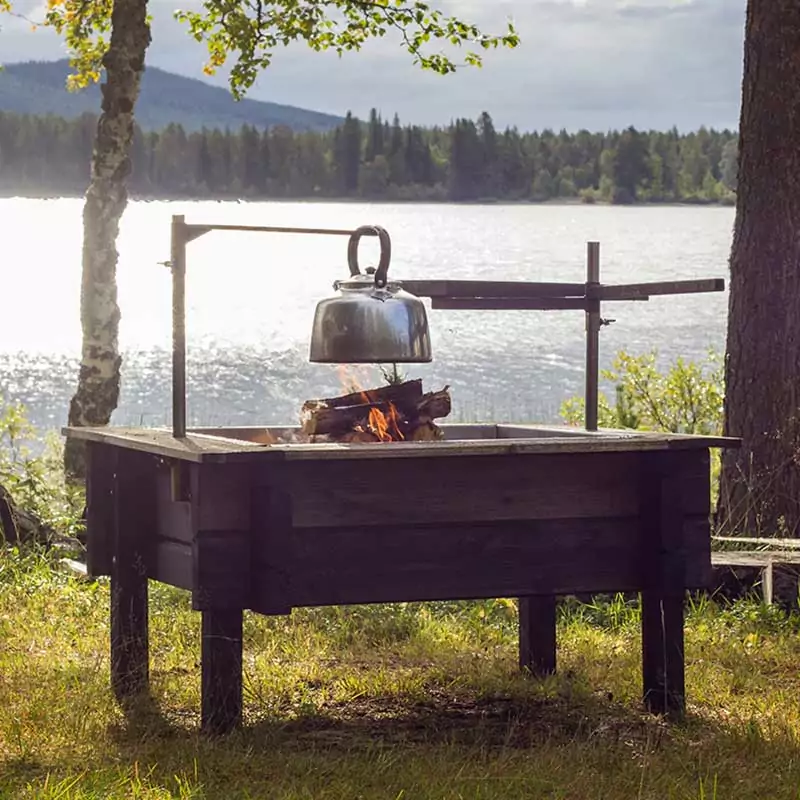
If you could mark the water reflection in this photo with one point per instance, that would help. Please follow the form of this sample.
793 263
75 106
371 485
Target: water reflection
251 299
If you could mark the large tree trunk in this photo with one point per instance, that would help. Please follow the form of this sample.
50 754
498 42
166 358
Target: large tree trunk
106 198
760 489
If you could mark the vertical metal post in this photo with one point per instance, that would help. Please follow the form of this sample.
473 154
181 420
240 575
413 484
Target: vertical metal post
178 264
592 334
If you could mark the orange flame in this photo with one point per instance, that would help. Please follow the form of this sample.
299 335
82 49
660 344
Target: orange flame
385 426
352 376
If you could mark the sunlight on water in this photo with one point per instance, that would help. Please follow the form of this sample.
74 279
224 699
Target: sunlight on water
251 298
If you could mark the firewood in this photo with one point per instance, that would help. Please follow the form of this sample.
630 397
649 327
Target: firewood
401 394
435 405
335 417
427 432
340 420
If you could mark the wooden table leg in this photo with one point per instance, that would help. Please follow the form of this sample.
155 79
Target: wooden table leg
537 634
129 633
662 599
221 667
134 509
662 653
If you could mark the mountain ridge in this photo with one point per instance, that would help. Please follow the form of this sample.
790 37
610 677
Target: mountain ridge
39 88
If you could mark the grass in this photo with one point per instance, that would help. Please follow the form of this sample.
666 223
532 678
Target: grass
408 701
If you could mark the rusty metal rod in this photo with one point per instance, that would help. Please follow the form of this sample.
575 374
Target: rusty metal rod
182 234
195 230
178 267
633 291
475 289
592 335
511 303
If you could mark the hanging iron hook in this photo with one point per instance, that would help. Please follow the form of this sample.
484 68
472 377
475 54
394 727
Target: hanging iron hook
381 273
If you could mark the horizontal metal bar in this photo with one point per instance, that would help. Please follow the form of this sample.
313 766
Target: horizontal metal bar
511 303
196 230
632 291
632 296
505 289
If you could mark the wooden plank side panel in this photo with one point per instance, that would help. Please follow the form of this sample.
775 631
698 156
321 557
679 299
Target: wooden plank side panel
173 564
479 489
175 517
330 566
690 486
219 500
221 494
691 474
102 460
271 508
221 570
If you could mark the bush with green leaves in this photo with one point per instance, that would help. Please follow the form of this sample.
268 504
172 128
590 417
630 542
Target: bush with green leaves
686 398
35 481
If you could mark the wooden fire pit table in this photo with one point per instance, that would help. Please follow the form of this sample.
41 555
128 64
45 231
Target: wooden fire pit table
494 511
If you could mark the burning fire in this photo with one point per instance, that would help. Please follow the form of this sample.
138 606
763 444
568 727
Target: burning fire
353 377
397 412
385 427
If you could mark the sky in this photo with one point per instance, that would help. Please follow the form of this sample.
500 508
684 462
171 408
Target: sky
595 64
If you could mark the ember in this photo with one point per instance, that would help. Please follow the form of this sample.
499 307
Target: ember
395 413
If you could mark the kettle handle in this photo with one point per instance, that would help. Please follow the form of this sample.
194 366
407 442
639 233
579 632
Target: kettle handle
386 252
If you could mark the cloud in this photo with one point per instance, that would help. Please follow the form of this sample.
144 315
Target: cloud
582 63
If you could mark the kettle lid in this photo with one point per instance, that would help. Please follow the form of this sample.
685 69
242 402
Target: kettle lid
367 280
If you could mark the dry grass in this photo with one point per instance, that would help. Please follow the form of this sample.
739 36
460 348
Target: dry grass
416 701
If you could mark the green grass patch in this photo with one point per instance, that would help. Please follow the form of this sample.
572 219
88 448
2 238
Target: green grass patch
404 701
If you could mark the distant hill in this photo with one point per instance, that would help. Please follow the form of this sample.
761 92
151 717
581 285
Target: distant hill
38 87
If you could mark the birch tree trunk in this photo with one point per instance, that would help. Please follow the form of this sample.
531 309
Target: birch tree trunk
97 393
760 490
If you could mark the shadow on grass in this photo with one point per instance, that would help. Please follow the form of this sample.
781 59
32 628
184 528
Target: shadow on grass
553 739
555 714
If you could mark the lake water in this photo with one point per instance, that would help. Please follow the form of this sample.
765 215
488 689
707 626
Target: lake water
251 297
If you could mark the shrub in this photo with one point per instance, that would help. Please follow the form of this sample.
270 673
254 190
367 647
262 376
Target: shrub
687 398
45 506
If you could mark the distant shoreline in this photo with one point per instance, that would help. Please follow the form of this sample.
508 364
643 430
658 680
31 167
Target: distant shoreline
10 194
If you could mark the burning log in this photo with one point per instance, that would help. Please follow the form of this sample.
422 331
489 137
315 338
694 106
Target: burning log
399 412
401 394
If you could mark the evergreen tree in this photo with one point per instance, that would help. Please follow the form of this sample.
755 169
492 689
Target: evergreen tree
630 165
250 165
374 146
467 161
488 136
398 172
348 154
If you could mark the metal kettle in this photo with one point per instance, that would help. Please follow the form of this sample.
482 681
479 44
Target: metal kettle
370 320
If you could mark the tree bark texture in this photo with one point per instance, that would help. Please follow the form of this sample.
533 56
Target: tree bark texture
760 489
106 198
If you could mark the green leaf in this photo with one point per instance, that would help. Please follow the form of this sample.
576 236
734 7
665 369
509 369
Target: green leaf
249 32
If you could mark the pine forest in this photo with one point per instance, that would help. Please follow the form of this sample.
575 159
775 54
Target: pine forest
381 160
